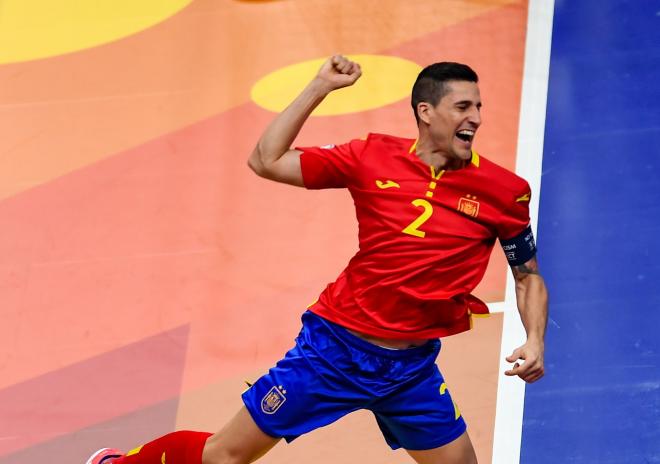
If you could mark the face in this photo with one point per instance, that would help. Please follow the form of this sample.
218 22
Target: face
453 122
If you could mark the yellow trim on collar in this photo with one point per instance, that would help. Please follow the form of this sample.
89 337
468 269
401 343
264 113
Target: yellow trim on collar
413 146
475 158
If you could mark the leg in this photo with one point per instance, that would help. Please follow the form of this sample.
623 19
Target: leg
297 396
422 418
459 451
239 442
181 446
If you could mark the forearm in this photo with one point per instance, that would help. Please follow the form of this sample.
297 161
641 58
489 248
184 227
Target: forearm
272 157
532 299
282 131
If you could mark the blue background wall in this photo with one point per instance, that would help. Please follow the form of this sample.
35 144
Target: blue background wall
598 236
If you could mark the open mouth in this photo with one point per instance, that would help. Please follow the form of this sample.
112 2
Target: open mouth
466 135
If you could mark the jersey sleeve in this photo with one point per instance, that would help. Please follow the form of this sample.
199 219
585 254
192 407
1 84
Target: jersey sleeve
514 231
330 166
515 217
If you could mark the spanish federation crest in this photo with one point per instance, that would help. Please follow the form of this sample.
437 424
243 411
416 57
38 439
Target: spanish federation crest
273 400
468 205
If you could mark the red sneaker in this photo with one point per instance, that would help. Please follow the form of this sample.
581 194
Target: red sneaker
104 456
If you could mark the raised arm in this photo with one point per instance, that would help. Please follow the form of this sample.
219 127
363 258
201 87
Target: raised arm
273 157
532 299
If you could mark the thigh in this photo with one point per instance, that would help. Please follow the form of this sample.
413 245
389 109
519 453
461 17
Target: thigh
307 389
421 415
459 451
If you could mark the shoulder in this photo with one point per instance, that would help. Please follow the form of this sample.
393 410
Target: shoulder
509 193
386 141
502 179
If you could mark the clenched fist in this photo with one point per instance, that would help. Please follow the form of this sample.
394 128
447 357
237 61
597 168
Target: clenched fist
338 72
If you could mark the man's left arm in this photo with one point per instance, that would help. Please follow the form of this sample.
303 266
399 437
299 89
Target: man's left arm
532 300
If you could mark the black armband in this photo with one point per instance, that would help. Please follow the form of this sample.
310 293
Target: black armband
521 248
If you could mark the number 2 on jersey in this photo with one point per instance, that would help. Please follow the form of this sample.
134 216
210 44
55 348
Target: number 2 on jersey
413 227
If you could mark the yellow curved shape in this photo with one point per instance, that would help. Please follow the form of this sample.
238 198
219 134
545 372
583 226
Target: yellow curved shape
388 184
443 390
33 29
457 413
385 80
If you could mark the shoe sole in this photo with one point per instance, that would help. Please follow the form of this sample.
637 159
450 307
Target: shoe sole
102 450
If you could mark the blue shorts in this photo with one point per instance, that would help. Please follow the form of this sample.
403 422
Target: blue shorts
330 372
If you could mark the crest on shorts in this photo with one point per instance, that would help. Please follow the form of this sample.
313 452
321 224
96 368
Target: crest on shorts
273 400
468 205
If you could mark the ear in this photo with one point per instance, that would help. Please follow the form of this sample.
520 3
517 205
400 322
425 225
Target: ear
423 109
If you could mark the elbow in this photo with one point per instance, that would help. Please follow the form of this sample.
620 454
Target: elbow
255 163
524 280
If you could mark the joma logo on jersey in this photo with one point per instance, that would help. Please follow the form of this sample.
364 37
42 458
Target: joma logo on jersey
273 400
387 184
468 205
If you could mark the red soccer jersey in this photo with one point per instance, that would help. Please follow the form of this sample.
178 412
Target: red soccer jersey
425 237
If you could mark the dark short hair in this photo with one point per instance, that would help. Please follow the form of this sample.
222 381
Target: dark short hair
430 85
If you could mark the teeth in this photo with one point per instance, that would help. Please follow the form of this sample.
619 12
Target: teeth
465 135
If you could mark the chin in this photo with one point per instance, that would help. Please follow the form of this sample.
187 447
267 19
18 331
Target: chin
463 154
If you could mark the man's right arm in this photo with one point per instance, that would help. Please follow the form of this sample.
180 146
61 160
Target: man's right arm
273 157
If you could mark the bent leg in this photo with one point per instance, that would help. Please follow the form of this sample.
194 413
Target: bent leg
180 446
241 441
459 451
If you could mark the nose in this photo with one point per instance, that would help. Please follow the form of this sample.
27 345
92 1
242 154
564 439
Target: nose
474 117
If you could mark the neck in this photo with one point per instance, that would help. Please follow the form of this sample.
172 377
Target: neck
439 159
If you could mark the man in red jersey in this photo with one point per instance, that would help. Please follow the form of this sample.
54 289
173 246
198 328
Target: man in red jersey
429 211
